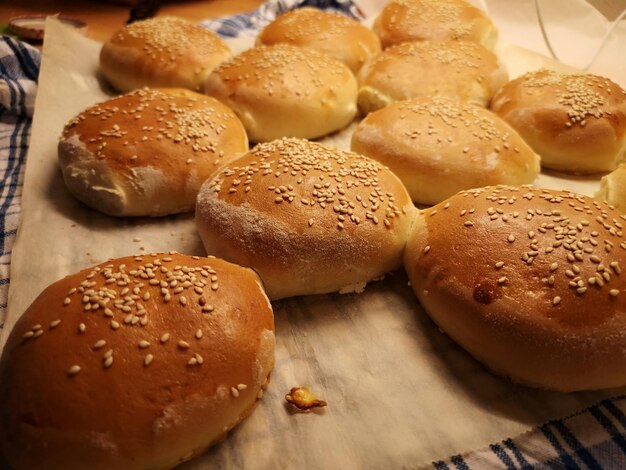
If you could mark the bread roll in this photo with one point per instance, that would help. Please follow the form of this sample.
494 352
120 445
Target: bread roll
613 188
284 90
461 70
161 52
575 122
147 153
332 33
139 362
434 20
438 147
308 219
529 281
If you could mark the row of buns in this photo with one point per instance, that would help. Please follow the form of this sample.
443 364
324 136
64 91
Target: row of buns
526 280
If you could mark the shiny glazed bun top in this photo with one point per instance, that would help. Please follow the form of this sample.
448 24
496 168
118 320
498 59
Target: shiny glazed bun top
161 52
576 122
529 281
417 20
138 362
465 71
308 218
146 153
286 91
329 32
438 146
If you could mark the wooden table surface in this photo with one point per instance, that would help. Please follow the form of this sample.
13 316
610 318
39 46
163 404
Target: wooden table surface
104 18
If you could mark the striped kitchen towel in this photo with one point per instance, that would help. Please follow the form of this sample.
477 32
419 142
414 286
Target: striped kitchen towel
19 67
594 438
249 24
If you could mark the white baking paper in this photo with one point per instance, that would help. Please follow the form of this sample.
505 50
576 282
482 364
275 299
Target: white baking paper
400 393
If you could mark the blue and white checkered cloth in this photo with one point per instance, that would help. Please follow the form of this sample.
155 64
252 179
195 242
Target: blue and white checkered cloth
19 67
594 438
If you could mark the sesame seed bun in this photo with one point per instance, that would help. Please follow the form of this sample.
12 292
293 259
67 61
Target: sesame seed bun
434 20
146 153
309 219
439 146
286 91
161 52
144 371
575 122
529 281
461 70
613 188
332 33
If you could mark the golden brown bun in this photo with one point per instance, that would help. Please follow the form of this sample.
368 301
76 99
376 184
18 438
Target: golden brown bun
332 33
438 147
575 122
172 385
461 70
161 52
284 90
529 281
147 152
308 219
434 20
613 188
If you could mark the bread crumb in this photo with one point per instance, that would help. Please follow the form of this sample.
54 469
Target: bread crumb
303 399
356 288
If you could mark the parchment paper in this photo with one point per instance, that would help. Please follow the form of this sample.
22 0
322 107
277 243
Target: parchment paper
400 393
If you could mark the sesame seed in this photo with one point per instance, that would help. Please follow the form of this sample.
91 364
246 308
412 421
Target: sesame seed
143 344
241 387
614 292
82 327
426 249
511 238
556 300
148 359
99 344
165 338
198 334
55 323
183 344
75 369
234 392
499 264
